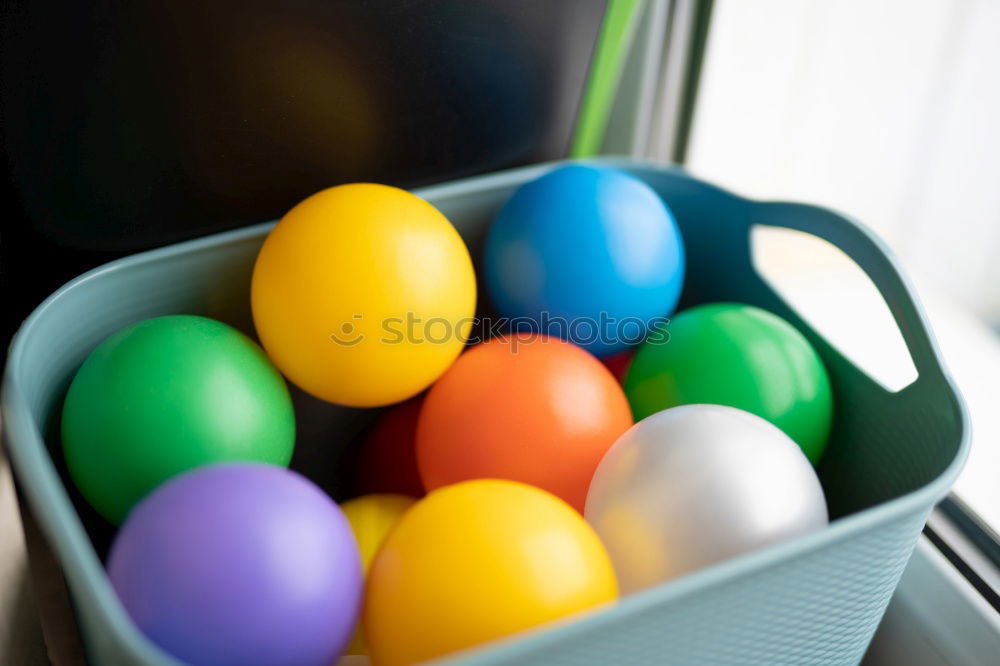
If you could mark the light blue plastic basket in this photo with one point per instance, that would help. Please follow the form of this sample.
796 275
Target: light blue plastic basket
812 600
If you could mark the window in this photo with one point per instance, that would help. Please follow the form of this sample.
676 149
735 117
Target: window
889 112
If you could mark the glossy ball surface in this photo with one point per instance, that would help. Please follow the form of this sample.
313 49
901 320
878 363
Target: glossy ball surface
363 294
693 485
372 517
240 564
740 356
526 408
592 246
164 396
477 561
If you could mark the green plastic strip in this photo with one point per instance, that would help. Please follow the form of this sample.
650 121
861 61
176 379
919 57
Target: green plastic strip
620 20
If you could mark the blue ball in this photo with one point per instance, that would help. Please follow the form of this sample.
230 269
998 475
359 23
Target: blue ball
591 255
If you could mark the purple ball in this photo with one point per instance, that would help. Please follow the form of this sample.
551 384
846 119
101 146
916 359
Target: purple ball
240 564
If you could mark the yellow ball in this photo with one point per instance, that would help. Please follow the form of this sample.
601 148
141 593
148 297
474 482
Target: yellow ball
363 294
476 561
371 517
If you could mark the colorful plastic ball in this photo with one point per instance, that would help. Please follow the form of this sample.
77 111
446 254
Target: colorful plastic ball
388 458
589 254
477 561
619 363
167 395
693 485
741 356
240 564
372 517
523 407
363 294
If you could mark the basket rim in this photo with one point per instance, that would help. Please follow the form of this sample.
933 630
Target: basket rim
60 522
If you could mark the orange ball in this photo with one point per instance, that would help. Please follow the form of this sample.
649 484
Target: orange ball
524 407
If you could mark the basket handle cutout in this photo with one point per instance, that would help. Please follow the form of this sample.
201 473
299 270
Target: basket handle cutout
859 302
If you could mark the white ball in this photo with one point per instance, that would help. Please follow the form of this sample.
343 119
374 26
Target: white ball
693 485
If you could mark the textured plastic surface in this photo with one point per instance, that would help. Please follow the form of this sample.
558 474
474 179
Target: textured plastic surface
812 600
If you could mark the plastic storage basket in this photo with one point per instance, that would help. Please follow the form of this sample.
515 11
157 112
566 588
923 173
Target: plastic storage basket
812 600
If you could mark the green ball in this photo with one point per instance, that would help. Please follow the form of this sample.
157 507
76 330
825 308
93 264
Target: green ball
739 356
167 395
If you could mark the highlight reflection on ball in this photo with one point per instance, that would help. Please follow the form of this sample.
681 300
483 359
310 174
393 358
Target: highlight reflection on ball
696 484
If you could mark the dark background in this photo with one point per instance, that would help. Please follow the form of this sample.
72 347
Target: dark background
129 125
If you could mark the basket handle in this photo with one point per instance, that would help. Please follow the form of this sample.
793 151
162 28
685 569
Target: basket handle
869 252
